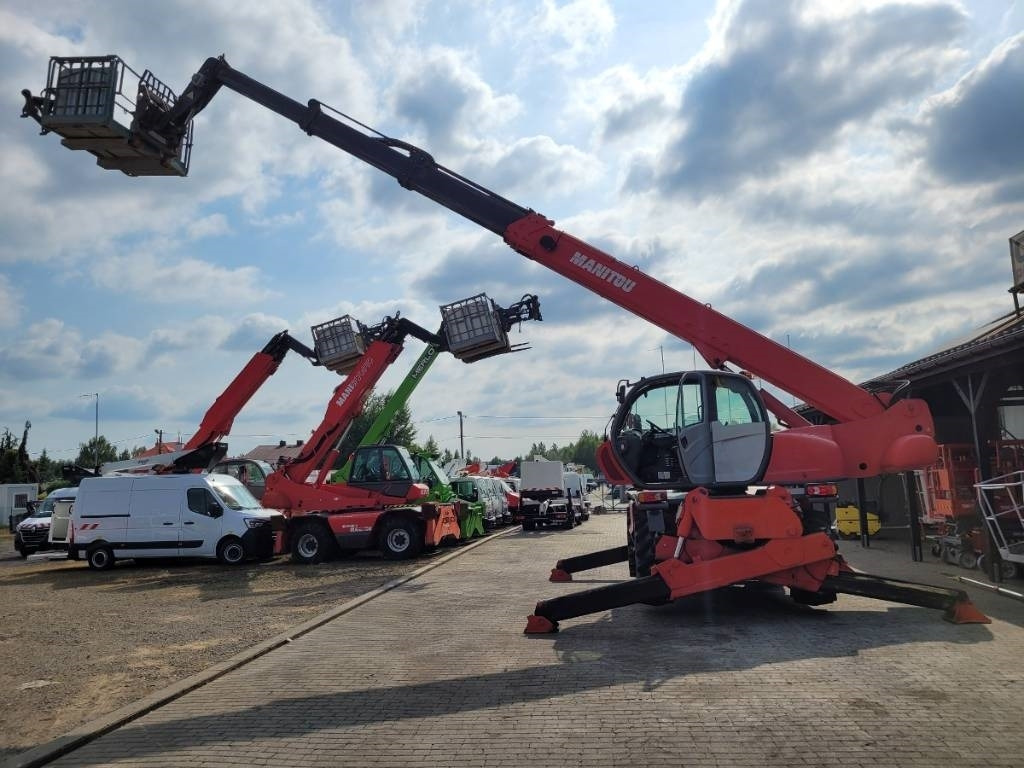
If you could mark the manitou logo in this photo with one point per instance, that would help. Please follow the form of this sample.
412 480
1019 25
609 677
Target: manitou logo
602 272
353 383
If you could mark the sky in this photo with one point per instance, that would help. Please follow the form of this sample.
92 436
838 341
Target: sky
841 177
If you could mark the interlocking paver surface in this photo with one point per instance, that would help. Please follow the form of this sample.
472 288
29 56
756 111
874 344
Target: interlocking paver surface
437 673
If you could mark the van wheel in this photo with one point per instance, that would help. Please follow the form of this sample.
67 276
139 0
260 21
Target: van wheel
400 539
100 558
23 552
231 551
311 543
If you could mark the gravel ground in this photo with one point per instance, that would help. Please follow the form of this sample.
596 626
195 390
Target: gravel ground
76 644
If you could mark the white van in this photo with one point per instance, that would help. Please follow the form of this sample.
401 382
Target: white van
170 516
35 532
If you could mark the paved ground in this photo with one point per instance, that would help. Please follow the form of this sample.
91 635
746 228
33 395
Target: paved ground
437 673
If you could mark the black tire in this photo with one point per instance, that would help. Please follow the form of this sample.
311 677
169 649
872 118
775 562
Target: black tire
570 519
968 560
23 552
231 551
630 547
1007 570
643 543
529 525
100 558
311 543
399 539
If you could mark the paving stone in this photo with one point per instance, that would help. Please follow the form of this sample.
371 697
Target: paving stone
438 673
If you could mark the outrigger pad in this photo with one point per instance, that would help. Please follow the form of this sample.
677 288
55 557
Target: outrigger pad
965 612
538 625
557 574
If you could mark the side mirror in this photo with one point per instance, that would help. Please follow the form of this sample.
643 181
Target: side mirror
215 509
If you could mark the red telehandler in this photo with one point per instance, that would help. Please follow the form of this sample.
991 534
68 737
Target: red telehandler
737 522
381 505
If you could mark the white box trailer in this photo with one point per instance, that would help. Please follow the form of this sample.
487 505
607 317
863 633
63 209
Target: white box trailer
543 498
14 500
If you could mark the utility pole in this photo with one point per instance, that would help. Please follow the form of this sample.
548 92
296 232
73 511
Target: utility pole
96 434
462 445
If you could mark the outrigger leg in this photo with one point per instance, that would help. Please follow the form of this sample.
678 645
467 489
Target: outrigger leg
566 567
655 589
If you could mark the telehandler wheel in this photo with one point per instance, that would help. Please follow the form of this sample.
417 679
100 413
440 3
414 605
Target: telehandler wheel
399 539
100 558
311 542
643 543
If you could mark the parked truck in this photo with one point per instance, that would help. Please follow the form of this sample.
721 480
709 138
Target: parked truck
544 498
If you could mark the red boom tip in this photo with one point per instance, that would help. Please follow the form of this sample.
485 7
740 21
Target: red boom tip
557 574
964 612
538 625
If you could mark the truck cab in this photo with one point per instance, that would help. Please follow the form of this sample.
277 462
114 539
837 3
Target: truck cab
252 473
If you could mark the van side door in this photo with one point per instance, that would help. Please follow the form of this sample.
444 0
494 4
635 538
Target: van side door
154 523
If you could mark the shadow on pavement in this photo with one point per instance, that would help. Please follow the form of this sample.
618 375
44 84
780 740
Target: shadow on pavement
733 629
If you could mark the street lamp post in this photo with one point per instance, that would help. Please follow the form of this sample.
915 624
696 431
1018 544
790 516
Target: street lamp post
96 434
462 446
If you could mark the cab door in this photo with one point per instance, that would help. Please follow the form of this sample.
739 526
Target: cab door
201 523
723 427
381 469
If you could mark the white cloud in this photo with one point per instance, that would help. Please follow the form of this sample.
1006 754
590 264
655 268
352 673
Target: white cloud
209 226
153 279
10 303
563 34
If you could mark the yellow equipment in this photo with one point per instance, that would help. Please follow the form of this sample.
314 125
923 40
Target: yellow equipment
848 522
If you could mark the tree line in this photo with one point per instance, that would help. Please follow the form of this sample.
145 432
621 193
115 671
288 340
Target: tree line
17 467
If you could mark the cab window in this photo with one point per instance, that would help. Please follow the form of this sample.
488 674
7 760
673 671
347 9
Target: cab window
366 467
392 467
656 406
735 403
689 404
199 501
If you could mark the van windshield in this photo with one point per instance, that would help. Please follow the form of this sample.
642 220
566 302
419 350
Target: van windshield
237 497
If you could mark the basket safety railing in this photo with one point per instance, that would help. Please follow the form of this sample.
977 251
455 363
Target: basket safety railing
1001 501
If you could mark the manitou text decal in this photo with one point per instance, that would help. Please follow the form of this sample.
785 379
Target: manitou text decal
602 272
353 382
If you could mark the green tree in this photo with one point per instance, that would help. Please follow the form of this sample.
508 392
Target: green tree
10 469
431 448
97 451
48 469
585 449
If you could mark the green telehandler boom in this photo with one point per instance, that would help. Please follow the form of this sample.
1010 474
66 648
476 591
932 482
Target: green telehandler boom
471 513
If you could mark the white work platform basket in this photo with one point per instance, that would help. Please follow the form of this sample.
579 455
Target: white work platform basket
91 102
339 343
472 328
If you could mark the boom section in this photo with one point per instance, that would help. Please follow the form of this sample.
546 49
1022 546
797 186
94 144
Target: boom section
412 167
718 338
161 126
345 405
221 415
